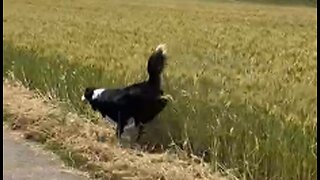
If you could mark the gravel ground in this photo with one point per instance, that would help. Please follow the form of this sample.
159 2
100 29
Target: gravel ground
23 161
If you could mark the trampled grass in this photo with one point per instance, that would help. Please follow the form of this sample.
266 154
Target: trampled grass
243 76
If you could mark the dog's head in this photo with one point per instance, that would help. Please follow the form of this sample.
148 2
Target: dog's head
88 93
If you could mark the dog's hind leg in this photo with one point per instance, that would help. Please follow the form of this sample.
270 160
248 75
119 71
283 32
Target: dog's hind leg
120 127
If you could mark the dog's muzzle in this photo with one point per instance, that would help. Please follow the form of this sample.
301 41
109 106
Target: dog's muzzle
83 98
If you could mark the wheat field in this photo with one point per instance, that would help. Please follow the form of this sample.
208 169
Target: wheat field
243 76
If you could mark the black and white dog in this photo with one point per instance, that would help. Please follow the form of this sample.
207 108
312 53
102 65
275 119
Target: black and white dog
140 102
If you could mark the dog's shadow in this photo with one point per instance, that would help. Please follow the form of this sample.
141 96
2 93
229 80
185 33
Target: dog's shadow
153 140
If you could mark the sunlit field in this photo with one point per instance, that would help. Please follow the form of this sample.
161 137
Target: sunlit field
243 76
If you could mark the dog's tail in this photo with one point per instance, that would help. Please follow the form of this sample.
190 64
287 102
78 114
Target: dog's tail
156 64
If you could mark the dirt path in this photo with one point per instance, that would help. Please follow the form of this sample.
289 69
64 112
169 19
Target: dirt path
22 160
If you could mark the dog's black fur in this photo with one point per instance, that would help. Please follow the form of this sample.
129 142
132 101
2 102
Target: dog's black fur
141 101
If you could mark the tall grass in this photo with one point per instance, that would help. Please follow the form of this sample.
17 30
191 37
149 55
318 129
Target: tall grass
248 140
243 76
312 3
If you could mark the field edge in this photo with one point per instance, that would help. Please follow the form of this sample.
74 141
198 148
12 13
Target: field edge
28 124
